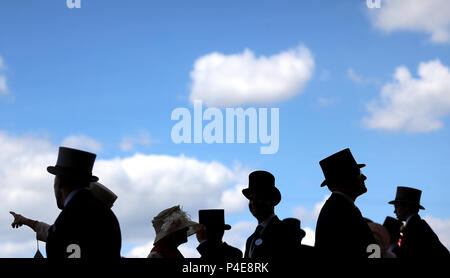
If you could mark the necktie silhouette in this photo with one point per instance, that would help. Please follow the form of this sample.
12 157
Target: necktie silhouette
255 236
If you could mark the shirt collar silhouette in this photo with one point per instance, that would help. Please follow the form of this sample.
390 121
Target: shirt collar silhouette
70 196
345 195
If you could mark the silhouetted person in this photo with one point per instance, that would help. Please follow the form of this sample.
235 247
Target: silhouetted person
272 238
86 227
417 239
383 238
341 231
97 189
172 226
393 226
210 237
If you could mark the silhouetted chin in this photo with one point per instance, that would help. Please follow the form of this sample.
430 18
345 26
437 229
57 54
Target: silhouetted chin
364 189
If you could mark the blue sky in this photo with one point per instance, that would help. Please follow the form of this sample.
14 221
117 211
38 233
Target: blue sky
113 69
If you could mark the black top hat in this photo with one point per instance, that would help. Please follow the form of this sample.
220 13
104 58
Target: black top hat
339 166
213 218
295 224
262 183
74 163
392 225
407 195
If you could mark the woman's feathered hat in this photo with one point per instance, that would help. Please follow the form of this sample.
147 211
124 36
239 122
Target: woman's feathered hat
171 220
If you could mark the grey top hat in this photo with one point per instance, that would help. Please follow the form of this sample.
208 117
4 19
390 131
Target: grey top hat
74 163
262 183
213 218
104 194
339 166
407 195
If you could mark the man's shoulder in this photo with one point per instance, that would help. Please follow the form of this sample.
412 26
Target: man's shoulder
335 204
86 208
418 225
84 200
231 248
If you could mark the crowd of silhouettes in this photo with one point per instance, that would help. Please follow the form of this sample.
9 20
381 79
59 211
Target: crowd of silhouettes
87 228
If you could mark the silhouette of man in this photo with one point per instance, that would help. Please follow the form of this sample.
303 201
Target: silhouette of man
272 238
393 226
86 228
417 239
97 189
210 238
341 231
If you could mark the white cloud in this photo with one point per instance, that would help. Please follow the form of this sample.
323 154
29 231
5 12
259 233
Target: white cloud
309 216
327 101
82 142
3 86
354 76
413 104
310 237
128 142
25 187
441 227
140 251
242 78
240 231
324 75
145 184
11 249
430 16
233 199
188 250
235 237
359 79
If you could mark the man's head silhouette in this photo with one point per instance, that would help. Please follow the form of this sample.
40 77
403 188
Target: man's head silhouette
262 194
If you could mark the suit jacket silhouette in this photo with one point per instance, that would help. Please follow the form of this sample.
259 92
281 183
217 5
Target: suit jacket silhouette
419 241
220 251
341 231
90 224
278 241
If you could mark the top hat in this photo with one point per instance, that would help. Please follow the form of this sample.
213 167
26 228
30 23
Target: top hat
214 218
407 195
295 226
339 166
381 234
74 163
392 225
172 220
104 194
262 183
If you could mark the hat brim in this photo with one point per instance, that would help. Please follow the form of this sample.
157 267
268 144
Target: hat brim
302 233
66 172
274 193
192 228
325 181
393 202
225 226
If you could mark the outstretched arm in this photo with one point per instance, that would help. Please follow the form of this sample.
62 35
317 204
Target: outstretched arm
20 220
40 228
